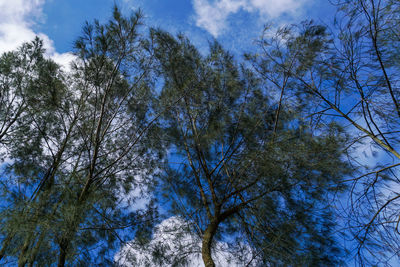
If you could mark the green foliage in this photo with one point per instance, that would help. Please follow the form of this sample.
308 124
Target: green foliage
225 146
78 146
348 75
230 165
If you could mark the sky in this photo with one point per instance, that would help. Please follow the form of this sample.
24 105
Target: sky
172 233
236 24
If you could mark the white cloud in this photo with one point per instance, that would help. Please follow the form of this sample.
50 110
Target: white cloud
17 19
213 16
18 11
172 238
275 8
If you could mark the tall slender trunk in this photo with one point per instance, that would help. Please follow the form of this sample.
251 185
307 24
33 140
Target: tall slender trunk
207 242
22 256
35 250
6 242
61 258
63 254
70 232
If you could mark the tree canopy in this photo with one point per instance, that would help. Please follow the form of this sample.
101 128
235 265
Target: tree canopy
236 156
348 75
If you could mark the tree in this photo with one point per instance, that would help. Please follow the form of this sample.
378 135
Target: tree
234 168
30 85
349 76
89 147
245 172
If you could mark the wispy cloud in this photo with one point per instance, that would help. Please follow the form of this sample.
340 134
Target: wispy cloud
172 237
17 20
213 15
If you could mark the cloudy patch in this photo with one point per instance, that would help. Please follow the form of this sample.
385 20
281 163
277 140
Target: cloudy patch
173 242
17 20
214 15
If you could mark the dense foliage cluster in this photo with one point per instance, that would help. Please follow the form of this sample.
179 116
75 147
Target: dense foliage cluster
245 158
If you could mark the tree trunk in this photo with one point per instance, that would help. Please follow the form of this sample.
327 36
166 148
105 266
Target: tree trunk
35 251
69 234
22 256
63 254
207 242
6 242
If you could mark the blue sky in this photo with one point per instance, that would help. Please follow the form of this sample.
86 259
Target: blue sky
234 23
